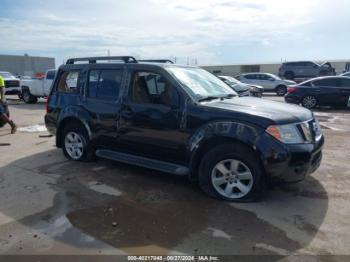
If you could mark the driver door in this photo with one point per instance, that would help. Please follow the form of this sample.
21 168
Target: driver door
150 118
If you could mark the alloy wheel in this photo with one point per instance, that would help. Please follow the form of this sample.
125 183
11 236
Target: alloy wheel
309 102
232 179
74 145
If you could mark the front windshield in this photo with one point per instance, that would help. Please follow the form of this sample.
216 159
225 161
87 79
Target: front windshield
275 77
200 83
6 75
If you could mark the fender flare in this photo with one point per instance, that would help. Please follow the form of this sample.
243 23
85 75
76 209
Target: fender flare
72 114
218 132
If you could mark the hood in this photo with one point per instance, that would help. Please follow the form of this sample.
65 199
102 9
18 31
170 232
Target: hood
277 112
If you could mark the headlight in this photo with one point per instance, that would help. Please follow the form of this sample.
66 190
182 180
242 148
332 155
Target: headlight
288 134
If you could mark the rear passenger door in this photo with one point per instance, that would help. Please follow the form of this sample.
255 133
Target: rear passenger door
101 101
327 91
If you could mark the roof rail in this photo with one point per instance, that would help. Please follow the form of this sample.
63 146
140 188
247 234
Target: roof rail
93 60
157 61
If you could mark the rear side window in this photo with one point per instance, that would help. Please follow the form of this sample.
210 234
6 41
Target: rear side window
345 83
105 84
50 75
329 82
68 82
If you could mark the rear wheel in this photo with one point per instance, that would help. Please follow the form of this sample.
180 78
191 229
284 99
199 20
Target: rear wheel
309 102
75 143
231 172
281 90
28 98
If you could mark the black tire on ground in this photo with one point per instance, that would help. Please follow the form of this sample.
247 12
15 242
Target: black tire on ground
289 75
309 102
238 152
28 98
281 90
88 151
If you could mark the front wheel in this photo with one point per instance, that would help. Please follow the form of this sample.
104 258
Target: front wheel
231 172
309 102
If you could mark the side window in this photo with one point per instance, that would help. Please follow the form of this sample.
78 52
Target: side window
105 84
329 82
264 77
151 88
345 83
50 75
253 77
68 82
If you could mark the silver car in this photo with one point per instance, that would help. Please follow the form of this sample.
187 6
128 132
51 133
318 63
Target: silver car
270 82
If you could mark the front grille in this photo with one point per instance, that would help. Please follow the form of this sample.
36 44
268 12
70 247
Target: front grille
11 83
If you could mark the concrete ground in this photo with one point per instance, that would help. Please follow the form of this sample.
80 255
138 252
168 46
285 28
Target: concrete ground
53 206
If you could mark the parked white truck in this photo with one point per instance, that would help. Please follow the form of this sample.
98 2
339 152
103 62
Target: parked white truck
34 88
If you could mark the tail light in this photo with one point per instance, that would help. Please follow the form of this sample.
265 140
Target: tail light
291 89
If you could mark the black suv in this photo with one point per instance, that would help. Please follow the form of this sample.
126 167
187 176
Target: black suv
181 120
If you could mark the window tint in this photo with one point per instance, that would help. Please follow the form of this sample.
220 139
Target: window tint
68 82
105 84
151 88
345 82
251 77
50 75
329 82
263 77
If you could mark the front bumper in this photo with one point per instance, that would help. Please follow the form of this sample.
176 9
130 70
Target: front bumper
13 91
289 163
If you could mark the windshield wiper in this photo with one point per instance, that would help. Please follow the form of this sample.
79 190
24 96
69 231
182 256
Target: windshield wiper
209 98
229 96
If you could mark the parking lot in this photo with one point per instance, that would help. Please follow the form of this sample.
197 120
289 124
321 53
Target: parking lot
53 206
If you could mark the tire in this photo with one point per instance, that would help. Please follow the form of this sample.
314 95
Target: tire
248 166
281 90
309 102
28 98
289 75
74 139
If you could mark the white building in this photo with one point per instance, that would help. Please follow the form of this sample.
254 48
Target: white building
26 65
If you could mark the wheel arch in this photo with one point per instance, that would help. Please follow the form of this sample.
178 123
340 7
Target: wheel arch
71 120
211 135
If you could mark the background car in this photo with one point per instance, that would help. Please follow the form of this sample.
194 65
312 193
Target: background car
322 91
12 84
241 88
305 69
346 74
270 82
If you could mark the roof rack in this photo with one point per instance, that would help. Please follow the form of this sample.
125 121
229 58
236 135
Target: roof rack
157 61
93 60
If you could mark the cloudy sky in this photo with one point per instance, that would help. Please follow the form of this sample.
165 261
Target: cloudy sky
211 31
